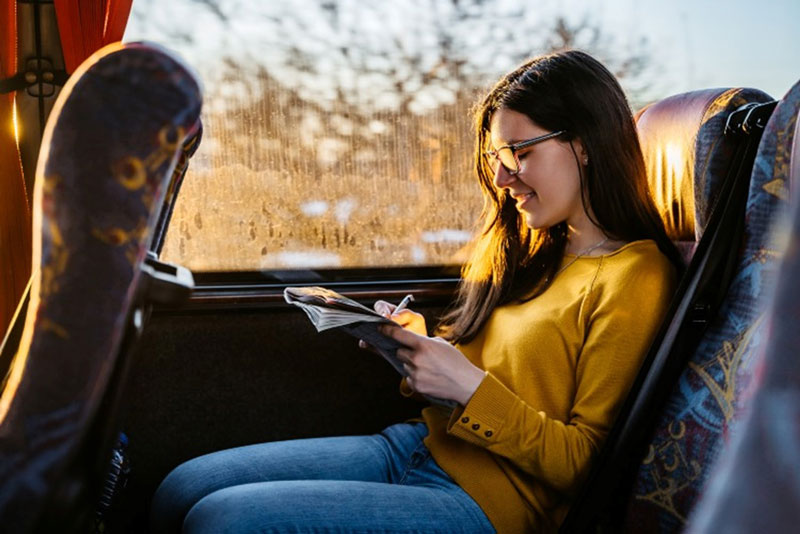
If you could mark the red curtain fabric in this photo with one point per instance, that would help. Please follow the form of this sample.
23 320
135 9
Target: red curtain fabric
15 225
86 26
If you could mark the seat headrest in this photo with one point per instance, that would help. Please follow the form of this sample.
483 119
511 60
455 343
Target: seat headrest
687 155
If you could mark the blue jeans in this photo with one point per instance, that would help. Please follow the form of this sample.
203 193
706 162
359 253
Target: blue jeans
386 482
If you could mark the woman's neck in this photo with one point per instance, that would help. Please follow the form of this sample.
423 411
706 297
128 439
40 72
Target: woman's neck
584 235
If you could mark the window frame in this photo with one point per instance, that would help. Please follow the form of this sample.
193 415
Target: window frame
239 290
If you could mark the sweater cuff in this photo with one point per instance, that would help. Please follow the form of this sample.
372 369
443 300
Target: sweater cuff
482 419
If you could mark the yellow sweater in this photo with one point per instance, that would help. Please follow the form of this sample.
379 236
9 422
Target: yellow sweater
558 368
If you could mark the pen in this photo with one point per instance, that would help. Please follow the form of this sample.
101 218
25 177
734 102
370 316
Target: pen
403 303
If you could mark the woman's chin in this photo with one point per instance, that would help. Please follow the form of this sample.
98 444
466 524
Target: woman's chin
533 222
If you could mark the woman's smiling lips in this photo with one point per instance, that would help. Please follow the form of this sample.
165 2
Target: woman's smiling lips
522 198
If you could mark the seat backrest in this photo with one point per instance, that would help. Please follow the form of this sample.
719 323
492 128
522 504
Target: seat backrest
755 486
110 149
704 405
691 164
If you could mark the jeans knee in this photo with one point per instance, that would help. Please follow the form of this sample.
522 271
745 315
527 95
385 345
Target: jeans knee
203 516
175 496
224 511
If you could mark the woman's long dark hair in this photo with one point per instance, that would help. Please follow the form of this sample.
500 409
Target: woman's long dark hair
569 91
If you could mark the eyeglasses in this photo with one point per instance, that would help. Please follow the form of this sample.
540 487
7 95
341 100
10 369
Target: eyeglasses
507 155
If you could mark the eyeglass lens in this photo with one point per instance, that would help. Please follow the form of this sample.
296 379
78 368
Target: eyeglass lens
505 156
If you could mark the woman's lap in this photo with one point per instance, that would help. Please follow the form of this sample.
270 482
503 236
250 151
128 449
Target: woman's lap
380 480
327 506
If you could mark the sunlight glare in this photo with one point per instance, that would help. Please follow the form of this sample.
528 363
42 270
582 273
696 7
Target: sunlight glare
15 123
675 159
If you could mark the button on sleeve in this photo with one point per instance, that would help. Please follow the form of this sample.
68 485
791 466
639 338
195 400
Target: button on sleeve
481 420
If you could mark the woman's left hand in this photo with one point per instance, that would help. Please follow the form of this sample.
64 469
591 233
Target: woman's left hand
435 367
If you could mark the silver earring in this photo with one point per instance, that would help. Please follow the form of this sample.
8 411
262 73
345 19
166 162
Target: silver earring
586 161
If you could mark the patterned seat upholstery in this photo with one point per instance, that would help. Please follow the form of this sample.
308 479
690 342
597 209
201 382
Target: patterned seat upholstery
705 406
756 484
115 148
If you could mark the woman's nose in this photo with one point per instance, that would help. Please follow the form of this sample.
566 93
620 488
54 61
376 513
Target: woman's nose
502 178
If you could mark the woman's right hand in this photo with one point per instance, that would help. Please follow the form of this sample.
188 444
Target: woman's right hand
410 320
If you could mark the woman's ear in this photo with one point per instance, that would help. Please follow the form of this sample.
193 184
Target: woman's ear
584 156
580 151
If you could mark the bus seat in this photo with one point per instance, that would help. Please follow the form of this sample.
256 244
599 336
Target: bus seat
692 166
706 404
755 486
112 152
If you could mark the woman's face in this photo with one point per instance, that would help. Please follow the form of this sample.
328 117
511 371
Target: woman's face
547 187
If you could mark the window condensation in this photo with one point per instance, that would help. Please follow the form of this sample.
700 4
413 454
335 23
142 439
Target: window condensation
338 133
281 185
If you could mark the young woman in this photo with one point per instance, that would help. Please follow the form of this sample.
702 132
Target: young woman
565 288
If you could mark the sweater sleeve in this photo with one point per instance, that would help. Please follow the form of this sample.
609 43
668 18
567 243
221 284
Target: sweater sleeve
620 326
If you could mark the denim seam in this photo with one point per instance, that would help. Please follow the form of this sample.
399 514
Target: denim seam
415 460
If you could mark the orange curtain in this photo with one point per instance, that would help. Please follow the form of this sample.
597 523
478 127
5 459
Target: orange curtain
85 26
15 222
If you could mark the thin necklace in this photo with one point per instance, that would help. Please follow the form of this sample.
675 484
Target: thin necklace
582 253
